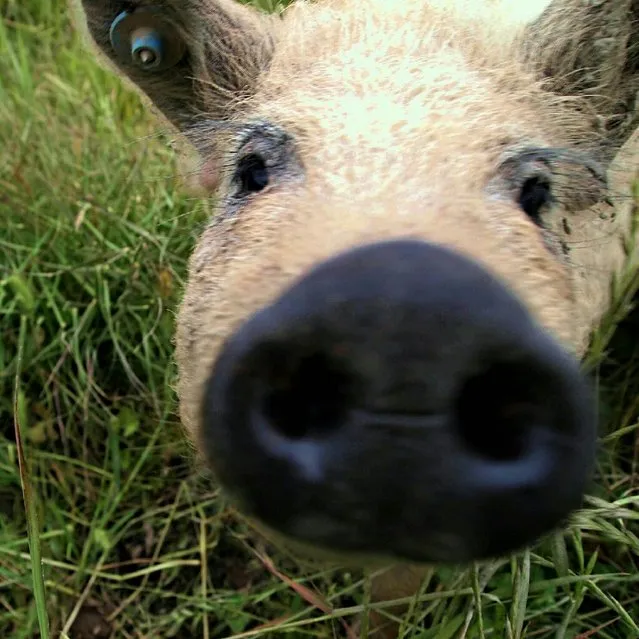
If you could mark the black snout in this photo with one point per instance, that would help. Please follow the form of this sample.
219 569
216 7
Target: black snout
399 401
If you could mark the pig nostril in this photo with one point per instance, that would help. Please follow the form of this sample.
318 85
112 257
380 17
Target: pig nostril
497 411
307 396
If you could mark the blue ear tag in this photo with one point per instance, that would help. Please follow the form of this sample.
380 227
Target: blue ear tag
145 38
146 48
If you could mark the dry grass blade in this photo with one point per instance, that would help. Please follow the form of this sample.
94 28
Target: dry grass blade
29 496
520 594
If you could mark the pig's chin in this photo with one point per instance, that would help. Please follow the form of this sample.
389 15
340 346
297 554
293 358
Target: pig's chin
433 549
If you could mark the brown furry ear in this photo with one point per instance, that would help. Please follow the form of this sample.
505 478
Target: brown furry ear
590 50
214 51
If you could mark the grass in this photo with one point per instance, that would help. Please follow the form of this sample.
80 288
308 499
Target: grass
134 543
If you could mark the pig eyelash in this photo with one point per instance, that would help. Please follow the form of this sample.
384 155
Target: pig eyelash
551 156
203 134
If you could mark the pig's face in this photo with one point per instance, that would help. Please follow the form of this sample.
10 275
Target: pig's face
377 345
348 364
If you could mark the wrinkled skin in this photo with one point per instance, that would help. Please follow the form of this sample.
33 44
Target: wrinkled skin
346 124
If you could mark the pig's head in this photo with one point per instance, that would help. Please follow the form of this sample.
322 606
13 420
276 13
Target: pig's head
379 342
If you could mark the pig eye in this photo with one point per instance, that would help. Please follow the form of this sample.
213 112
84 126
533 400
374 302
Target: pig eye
252 174
535 196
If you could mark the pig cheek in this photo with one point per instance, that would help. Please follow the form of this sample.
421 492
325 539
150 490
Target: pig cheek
209 177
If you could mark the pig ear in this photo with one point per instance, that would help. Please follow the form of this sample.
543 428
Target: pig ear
590 50
190 57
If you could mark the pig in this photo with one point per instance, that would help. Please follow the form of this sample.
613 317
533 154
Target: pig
420 208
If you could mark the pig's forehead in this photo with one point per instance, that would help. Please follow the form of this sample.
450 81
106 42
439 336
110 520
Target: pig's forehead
384 74
321 31
393 102
402 58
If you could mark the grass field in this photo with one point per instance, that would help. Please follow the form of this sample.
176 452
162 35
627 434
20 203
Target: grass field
94 239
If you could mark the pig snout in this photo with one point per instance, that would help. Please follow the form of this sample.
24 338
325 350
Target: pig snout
398 401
